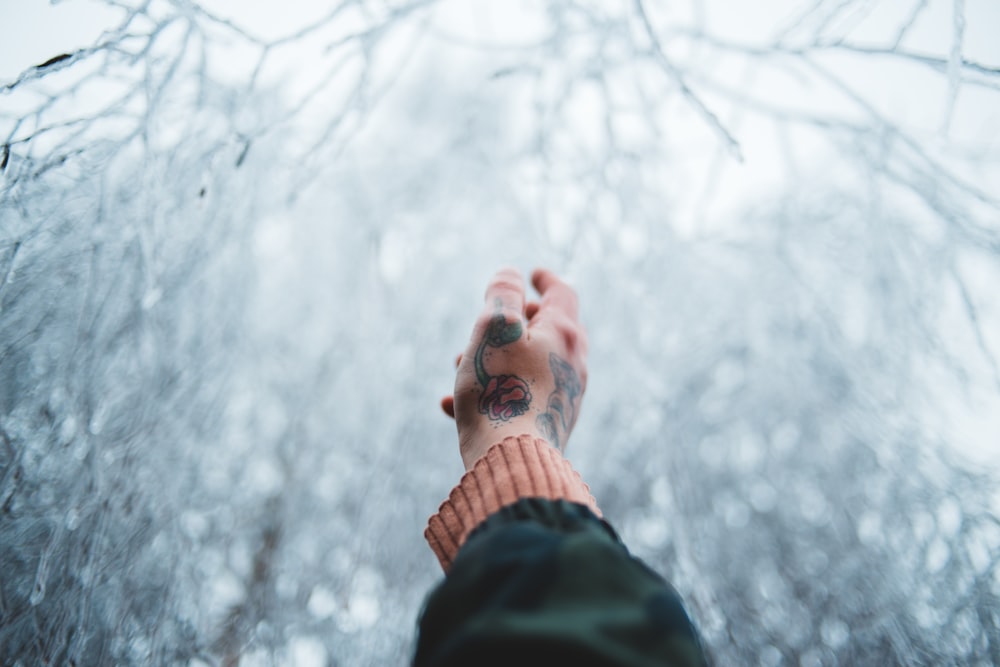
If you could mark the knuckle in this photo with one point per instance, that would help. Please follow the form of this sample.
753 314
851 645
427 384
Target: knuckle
511 318
570 338
506 283
571 334
506 316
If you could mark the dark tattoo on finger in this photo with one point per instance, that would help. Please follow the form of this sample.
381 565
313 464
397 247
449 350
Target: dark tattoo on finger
560 413
504 396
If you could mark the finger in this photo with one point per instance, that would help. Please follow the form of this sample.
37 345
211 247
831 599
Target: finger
506 292
448 405
557 296
531 309
458 360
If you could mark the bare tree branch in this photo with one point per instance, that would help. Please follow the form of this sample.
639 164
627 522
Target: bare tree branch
707 114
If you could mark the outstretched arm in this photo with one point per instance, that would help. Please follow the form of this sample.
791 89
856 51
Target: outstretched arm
535 576
518 391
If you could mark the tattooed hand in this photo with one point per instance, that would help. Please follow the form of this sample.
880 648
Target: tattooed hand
524 370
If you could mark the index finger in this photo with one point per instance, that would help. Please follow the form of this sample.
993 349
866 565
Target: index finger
556 295
506 292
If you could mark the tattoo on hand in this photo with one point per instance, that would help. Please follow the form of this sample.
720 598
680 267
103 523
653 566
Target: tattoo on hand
560 413
504 396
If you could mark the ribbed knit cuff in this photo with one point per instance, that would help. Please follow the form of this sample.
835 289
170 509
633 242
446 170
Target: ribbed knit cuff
518 467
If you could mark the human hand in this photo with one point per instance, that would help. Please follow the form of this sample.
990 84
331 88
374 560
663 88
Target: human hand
524 370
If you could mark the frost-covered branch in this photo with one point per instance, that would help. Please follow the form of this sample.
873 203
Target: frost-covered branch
676 74
236 261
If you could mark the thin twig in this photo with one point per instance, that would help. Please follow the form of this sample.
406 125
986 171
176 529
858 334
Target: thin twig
707 114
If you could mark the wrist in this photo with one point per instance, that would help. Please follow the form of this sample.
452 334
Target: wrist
473 446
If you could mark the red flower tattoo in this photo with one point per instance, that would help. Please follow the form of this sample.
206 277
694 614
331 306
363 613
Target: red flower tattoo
504 397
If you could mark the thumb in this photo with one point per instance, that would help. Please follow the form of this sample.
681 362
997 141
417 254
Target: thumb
448 405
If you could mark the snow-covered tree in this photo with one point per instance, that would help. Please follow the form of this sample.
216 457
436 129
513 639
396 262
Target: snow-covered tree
240 244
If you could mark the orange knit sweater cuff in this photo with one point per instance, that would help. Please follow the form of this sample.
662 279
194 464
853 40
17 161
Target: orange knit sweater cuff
518 467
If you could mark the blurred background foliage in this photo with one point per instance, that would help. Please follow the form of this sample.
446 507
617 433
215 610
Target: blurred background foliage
240 245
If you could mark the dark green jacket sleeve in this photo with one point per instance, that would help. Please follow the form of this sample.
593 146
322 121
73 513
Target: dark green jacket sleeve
546 582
